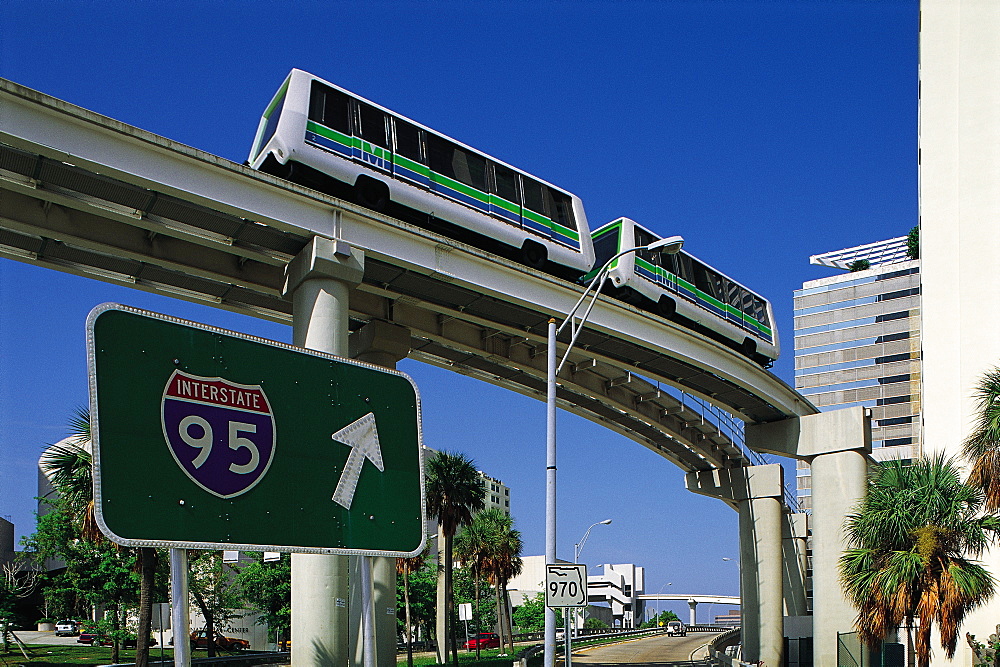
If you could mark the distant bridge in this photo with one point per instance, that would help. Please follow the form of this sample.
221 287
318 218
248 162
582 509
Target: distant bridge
693 601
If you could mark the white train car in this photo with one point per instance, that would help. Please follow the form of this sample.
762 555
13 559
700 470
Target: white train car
685 289
322 136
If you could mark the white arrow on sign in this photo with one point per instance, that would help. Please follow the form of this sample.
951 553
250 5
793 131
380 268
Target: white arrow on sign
362 437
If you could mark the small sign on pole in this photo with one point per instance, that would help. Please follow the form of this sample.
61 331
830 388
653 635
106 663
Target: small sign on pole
566 585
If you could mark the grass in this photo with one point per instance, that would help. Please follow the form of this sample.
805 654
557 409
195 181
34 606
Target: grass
489 658
88 656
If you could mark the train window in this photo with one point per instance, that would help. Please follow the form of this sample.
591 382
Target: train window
670 263
439 153
605 246
534 197
372 127
760 310
702 279
330 107
408 140
506 184
735 295
469 167
643 239
449 160
561 208
720 285
685 270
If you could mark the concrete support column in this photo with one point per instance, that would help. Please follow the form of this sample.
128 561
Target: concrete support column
384 344
839 479
837 445
795 531
319 280
693 616
757 492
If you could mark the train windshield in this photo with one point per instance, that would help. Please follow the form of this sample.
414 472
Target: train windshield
605 246
269 122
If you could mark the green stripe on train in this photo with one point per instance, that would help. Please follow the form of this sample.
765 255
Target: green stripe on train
441 179
332 135
749 319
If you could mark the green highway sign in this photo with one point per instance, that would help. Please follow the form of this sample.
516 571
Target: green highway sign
205 438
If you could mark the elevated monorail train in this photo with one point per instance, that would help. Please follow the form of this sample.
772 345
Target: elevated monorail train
682 288
319 135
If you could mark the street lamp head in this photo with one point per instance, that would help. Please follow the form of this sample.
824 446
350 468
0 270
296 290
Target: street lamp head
606 521
670 245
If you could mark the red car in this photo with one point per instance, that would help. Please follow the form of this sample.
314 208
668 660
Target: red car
199 639
483 640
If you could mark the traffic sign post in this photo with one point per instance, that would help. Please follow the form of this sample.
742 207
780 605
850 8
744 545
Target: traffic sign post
205 438
566 588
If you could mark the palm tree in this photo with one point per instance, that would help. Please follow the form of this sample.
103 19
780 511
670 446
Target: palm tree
982 447
455 491
69 467
911 542
471 548
502 564
492 547
404 568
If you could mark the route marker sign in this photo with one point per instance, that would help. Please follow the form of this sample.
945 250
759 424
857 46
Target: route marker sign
566 585
210 439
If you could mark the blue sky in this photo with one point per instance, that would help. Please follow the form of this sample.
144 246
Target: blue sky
762 131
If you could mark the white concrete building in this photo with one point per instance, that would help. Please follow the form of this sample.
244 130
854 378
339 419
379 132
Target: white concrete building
960 230
613 594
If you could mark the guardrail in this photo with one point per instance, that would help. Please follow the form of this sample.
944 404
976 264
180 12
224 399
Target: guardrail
719 653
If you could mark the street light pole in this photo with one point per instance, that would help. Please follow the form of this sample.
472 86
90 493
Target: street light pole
669 245
577 548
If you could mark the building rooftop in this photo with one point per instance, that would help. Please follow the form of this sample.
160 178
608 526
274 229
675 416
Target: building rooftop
891 251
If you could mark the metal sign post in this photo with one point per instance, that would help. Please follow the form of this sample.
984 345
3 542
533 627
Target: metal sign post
566 588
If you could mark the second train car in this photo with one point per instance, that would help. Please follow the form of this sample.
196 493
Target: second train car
685 289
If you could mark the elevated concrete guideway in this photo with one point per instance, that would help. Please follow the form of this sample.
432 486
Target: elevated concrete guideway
88 195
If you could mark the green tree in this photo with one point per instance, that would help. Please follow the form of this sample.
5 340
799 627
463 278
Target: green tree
267 589
660 619
423 585
501 562
911 542
69 467
404 568
530 616
455 492
913 243
212 583
982 447
859 265
594 623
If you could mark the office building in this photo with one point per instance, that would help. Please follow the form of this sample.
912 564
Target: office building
857 343
497 494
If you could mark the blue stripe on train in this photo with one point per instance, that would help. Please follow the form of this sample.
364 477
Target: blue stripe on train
455 194
411 175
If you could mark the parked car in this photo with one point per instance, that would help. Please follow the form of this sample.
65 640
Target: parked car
199 639
483 640
67 628
676 629
88 633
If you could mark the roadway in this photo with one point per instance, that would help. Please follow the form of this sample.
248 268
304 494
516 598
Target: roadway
657 650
